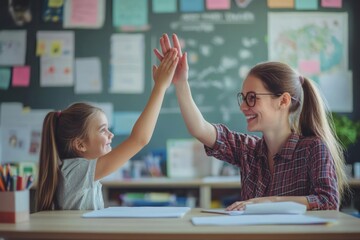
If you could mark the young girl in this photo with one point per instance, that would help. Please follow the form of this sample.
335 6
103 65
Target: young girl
298 158
76 148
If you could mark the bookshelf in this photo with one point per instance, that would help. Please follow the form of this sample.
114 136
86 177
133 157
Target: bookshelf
205 187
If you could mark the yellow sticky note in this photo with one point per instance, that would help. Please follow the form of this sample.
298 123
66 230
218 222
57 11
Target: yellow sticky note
55 3
56 49
40 48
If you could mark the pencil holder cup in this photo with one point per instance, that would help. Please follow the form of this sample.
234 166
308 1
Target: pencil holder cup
14 206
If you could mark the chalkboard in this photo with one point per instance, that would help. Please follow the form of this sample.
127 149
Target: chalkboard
221 45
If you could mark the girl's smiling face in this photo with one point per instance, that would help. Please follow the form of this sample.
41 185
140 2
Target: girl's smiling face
98 142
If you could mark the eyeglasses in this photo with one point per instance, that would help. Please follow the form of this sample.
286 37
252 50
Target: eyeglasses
250 97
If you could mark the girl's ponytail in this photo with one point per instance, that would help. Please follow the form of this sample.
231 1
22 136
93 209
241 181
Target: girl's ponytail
48 165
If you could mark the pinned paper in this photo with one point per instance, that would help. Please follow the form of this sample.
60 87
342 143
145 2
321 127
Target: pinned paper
88 75
130 13
21 76
164 6
331 3
40 48
55 3
4 78
306 4
280 3
12 47
309 67
218 4
53 10
191 5
84 13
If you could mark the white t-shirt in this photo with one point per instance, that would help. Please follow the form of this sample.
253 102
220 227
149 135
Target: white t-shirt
77 189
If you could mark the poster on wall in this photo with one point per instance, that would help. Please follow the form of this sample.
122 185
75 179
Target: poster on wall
56 52
316 45
12 47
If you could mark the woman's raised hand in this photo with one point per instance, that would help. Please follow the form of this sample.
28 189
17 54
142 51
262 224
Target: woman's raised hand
181 72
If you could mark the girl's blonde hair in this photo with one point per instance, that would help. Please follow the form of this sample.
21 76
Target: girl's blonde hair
59 132
312 120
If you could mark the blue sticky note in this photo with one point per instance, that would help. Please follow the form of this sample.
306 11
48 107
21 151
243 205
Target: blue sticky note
192 5
164 6
306 4
5 78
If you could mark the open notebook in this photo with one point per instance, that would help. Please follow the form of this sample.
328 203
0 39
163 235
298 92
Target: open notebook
262 214
138 212
265 208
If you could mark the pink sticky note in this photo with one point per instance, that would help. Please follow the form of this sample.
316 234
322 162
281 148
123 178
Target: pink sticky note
331 3
217 4
309 66
21 76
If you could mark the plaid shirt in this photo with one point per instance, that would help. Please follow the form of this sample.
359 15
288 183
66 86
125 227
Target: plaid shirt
303 167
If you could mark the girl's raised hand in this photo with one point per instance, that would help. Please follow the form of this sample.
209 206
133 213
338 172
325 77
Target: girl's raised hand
165 72
181 72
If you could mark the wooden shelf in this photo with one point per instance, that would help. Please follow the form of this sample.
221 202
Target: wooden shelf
204 185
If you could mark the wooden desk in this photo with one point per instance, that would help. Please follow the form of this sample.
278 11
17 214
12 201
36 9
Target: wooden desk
70 225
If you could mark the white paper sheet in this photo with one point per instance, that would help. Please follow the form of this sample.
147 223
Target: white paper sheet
127 63
88 76
13 47
138 212
265 208
272 219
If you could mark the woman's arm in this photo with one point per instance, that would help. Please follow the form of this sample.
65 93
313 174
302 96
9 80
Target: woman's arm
144 126
194 120
240 205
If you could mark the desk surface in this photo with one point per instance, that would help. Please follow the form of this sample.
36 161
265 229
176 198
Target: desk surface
70 225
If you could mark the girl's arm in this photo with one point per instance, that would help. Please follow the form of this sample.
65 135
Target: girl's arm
195 122
144 126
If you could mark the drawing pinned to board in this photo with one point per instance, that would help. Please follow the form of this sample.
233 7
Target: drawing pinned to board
53 11
20 11
56 51
318 57
12 47
20 133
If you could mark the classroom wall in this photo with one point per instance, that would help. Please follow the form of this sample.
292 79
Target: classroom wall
215 93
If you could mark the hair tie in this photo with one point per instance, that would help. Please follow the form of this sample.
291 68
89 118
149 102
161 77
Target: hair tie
58 113
301 78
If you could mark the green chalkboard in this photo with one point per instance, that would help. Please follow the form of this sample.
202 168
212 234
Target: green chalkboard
221 45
